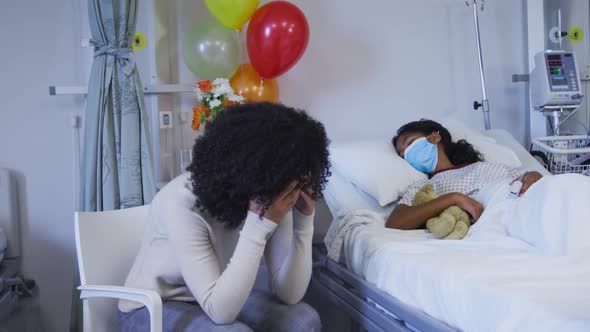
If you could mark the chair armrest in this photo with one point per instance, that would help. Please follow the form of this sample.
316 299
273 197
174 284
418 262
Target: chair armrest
147 297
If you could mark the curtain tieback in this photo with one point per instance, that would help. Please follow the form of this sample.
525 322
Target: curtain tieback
123 55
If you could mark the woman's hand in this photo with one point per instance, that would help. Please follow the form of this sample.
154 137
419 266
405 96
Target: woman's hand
471 206
305 204
528 179
281 205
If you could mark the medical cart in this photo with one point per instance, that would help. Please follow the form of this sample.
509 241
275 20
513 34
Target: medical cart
563 154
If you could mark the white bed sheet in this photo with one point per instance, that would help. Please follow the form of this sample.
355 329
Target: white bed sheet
493 285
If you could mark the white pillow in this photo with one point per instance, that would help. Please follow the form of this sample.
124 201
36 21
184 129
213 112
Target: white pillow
496 153
374 167
460 131
343 197
491 151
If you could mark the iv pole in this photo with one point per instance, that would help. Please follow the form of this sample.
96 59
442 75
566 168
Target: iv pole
484 103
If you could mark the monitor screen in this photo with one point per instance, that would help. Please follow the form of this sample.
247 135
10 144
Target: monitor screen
561 71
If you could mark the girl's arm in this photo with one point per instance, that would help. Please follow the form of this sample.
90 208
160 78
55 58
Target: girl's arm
407 217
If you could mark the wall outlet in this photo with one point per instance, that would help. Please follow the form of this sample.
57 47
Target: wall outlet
165 120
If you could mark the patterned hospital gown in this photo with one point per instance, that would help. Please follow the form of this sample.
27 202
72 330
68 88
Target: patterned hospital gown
468 180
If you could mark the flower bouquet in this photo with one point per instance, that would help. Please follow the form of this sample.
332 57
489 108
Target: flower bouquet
212 98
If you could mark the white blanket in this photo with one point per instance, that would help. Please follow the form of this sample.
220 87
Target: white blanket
525 265
344 225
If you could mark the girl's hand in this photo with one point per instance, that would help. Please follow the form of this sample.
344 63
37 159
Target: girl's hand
281 205
305 204
471 206
528 179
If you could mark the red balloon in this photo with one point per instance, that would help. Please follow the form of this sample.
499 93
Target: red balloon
278 34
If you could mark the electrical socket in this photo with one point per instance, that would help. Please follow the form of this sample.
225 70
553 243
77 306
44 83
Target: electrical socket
165 119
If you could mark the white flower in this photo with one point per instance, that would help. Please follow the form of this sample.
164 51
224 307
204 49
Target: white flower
214 103
221 81
221 87
199 94
220 90
235 98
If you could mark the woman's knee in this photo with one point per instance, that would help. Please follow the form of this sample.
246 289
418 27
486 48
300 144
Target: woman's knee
309 318
300 317
178 317
236 326
263 312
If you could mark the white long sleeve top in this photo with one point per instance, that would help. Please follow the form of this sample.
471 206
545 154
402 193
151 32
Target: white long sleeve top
186 255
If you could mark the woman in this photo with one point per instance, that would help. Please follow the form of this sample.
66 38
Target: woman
250 193
456 170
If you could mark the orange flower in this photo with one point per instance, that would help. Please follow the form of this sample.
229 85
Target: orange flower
200 115
205 86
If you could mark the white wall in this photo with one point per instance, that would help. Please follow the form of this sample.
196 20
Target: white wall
39 49
372 66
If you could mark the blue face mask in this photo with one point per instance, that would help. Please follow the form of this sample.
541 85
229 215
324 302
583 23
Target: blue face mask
422 155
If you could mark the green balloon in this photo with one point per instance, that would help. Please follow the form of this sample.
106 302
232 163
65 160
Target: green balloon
211 50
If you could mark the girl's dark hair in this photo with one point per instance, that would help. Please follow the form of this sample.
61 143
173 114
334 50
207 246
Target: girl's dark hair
253 151
459 153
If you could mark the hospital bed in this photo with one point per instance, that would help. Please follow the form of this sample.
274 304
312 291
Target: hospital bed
370 307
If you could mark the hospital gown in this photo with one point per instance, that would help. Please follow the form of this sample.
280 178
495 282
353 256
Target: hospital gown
468 180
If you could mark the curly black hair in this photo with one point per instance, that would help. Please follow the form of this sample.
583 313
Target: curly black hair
459 153
253 151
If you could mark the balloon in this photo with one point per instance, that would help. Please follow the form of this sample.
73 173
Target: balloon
278 34
247 83
232 13
212 50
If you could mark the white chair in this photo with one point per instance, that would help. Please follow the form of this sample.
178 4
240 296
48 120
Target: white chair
106 244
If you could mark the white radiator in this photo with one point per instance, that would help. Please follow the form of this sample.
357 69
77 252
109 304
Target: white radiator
9 213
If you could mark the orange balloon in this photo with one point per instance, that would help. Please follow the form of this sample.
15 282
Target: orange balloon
247 83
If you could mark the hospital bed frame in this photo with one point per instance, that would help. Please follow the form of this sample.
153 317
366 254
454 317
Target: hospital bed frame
369 307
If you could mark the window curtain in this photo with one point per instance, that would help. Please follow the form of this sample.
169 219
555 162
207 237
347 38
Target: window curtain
117 165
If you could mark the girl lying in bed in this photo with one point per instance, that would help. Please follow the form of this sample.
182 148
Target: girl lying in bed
456 170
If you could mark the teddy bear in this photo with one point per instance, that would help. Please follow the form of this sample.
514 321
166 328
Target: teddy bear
452 224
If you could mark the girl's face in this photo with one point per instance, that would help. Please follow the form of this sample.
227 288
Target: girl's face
404 140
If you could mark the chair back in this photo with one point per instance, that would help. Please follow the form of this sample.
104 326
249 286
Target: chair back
106 245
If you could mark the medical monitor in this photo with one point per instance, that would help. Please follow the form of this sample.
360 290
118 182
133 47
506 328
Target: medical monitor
555 80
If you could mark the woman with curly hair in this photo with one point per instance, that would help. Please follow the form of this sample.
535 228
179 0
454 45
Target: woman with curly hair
249 194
